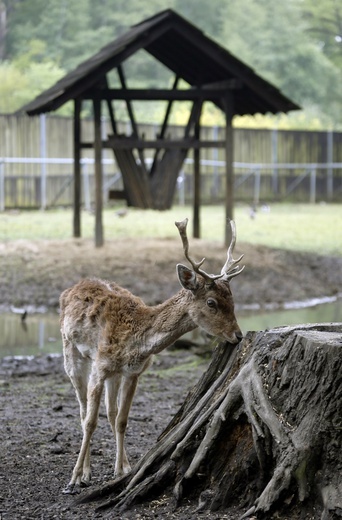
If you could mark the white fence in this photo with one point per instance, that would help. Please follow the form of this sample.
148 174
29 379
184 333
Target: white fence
36 165
254 182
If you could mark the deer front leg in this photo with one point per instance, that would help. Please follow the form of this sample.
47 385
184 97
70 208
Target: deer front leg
81 472
127 391
80 382
112 387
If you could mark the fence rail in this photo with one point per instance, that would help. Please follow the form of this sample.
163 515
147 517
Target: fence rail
254 182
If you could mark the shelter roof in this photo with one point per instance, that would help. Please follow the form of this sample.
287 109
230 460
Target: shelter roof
182 48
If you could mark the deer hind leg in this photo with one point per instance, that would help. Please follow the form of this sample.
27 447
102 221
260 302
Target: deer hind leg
78 369
127 391
112 387
81 473
81 387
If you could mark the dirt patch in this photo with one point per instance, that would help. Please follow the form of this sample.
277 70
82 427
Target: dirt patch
39 428
35 273
40 434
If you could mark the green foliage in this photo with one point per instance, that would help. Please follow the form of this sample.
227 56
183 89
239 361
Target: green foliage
18 86
295 45
26 76
324 25
274 40
310 118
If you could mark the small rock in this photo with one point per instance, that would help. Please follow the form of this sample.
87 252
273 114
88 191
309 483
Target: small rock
57 450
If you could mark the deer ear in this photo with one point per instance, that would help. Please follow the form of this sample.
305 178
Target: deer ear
187 277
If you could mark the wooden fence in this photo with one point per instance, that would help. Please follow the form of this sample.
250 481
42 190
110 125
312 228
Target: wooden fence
36 164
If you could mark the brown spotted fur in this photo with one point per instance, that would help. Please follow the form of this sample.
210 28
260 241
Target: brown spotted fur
109 337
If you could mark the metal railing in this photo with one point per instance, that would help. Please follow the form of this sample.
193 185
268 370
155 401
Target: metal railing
244 172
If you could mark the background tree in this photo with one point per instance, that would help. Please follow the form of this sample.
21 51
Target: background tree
6 9
324 25
273 39
295 45
26 77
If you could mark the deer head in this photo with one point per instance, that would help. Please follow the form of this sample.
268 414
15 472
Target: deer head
213 307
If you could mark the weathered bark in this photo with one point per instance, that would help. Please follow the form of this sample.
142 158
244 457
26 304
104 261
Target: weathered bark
261 431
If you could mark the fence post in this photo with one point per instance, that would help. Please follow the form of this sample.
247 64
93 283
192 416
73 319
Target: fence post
313 172
274 159
215 156
257 173
42 121
86 187
330 160
181 188
2 185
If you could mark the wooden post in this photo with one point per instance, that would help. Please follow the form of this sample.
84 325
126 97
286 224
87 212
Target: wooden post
228 103
98 173
274 160
42 125
330 160
77 169
197 184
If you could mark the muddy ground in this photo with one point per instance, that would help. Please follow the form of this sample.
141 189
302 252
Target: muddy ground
39 428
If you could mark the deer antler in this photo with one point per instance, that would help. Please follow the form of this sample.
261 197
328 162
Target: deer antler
209 278
228 271
230 268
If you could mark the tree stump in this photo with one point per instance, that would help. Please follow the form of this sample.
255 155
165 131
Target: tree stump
260 432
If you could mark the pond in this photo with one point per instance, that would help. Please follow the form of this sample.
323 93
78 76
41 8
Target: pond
305 312
40 333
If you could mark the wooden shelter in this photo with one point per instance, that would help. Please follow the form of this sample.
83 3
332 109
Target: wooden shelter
212 73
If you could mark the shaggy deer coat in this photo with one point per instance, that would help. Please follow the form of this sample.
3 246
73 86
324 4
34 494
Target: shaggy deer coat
109 337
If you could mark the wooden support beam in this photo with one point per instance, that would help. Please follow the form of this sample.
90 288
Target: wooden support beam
124 91
98 174
213 91
168 109
194 123
132 118
164 125
77 169
111 112
111 116
128 143
229 199
117 195
197 185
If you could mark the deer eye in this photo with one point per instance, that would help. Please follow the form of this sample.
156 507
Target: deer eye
211 303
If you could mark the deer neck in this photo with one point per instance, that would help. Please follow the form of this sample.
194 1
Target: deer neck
169 321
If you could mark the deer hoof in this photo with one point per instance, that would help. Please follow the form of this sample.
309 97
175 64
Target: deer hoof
71 489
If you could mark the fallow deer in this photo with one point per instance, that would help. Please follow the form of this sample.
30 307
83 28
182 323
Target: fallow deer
109 337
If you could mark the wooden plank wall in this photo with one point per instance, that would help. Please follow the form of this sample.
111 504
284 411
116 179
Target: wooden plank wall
20 136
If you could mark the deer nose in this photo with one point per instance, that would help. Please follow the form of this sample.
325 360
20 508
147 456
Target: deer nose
238 335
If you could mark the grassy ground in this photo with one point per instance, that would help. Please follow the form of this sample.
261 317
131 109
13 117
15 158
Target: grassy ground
302 227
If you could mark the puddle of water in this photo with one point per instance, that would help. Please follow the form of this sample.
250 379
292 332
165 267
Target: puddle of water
324 313
41 334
